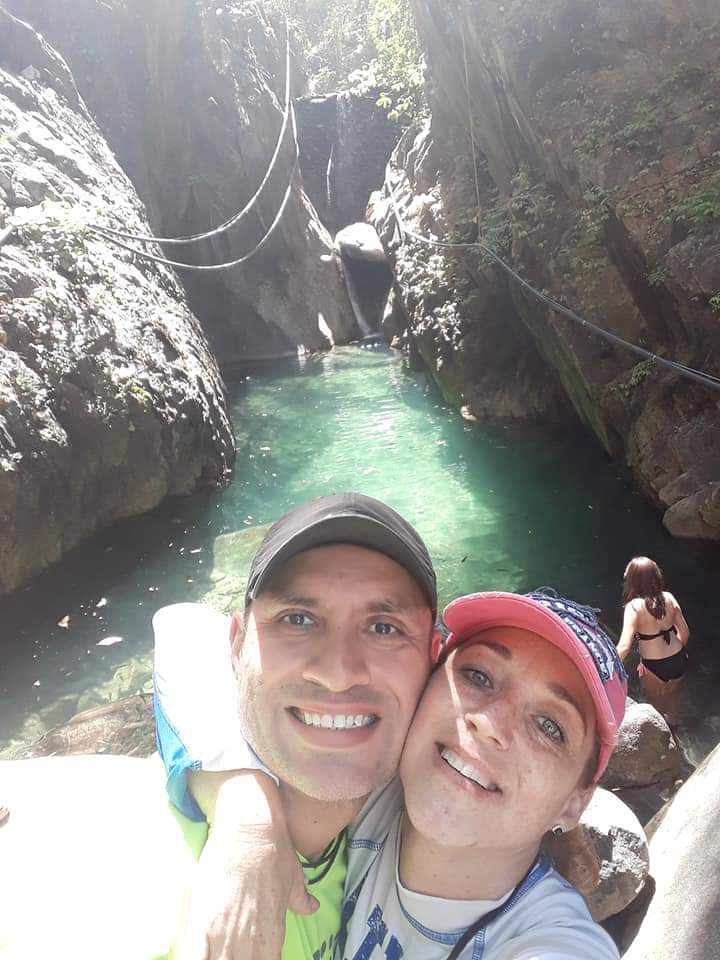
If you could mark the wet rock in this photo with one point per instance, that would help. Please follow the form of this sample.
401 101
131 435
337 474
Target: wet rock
109 396
125 727
232 553
682 918
621 847
646 752
196 143
360 241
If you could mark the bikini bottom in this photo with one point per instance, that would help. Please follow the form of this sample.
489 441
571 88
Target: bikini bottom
667 668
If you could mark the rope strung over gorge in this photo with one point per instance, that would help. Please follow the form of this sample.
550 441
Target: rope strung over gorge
114 236
242 214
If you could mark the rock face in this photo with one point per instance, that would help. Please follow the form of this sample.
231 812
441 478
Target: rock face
124 727
598 173
646 752
345 144
109 397
451 308
189 94
621 847
682 919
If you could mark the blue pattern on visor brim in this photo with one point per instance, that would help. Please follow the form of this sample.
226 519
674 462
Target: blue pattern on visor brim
583 622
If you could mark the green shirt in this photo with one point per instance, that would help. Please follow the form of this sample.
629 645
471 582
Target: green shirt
306 937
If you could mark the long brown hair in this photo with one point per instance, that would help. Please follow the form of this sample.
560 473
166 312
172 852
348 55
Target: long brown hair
643 578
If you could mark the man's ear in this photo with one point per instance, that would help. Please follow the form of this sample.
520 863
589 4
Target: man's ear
436 645
237 634
575 807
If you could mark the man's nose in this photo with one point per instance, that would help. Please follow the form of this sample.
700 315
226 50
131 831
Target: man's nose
495 722
339 663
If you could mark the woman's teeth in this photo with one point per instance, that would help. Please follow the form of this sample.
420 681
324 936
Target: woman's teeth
467 770
338 721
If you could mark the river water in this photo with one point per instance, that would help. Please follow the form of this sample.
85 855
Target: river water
500 508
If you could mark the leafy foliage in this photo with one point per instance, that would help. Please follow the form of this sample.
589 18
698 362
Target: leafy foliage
369 47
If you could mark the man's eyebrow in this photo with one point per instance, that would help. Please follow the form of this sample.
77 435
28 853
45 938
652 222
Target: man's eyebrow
389 606
294 599
565 695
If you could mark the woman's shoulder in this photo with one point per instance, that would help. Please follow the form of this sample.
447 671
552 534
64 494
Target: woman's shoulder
670 600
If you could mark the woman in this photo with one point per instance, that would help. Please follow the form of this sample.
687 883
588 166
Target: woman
515 727
653 617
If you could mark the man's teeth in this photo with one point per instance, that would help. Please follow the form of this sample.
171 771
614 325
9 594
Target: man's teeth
467 770
338 721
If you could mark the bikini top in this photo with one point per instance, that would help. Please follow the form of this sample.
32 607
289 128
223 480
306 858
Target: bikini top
667 634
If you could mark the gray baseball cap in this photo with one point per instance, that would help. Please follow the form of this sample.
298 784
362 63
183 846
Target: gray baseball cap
343 518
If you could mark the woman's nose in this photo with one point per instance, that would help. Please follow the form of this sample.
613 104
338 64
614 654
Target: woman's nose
493 722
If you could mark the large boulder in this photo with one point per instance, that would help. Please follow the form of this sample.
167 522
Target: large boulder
621 848
109 396
646 752
682 919
190 95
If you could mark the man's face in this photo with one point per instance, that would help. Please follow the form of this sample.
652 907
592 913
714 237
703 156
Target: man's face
496 753
331 662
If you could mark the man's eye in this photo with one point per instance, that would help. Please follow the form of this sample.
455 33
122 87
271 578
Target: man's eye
297 619
384 629
551 729
477 677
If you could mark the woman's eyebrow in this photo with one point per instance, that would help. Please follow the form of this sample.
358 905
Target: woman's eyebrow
565 695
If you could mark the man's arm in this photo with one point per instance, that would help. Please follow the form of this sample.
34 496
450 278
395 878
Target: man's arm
197 722
248 874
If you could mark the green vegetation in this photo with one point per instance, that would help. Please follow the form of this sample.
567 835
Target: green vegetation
714 302
639 374
702 205
658 275
496 229
369 47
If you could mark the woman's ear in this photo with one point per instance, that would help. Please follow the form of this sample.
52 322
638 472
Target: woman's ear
575 806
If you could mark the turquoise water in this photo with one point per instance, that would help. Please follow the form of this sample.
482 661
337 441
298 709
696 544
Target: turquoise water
508 508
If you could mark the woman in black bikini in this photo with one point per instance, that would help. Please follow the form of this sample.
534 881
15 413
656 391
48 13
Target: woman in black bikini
653 617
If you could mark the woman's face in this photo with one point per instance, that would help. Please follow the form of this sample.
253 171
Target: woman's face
498 747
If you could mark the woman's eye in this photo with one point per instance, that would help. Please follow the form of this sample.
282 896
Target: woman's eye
478 677
384 629
551 729
297 619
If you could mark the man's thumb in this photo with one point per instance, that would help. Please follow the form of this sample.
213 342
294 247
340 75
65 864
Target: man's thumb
300 901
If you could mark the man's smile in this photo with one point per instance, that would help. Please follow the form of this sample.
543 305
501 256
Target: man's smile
334 721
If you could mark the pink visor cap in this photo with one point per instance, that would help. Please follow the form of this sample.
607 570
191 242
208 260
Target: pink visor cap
570 626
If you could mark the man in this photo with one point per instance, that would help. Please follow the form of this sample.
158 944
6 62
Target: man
330 657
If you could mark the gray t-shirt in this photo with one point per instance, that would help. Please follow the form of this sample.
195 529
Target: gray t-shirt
544 919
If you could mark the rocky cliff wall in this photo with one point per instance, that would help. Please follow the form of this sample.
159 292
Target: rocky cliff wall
598 164
345 143
109 396
189 94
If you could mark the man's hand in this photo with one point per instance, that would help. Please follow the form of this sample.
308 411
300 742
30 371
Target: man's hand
248 874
